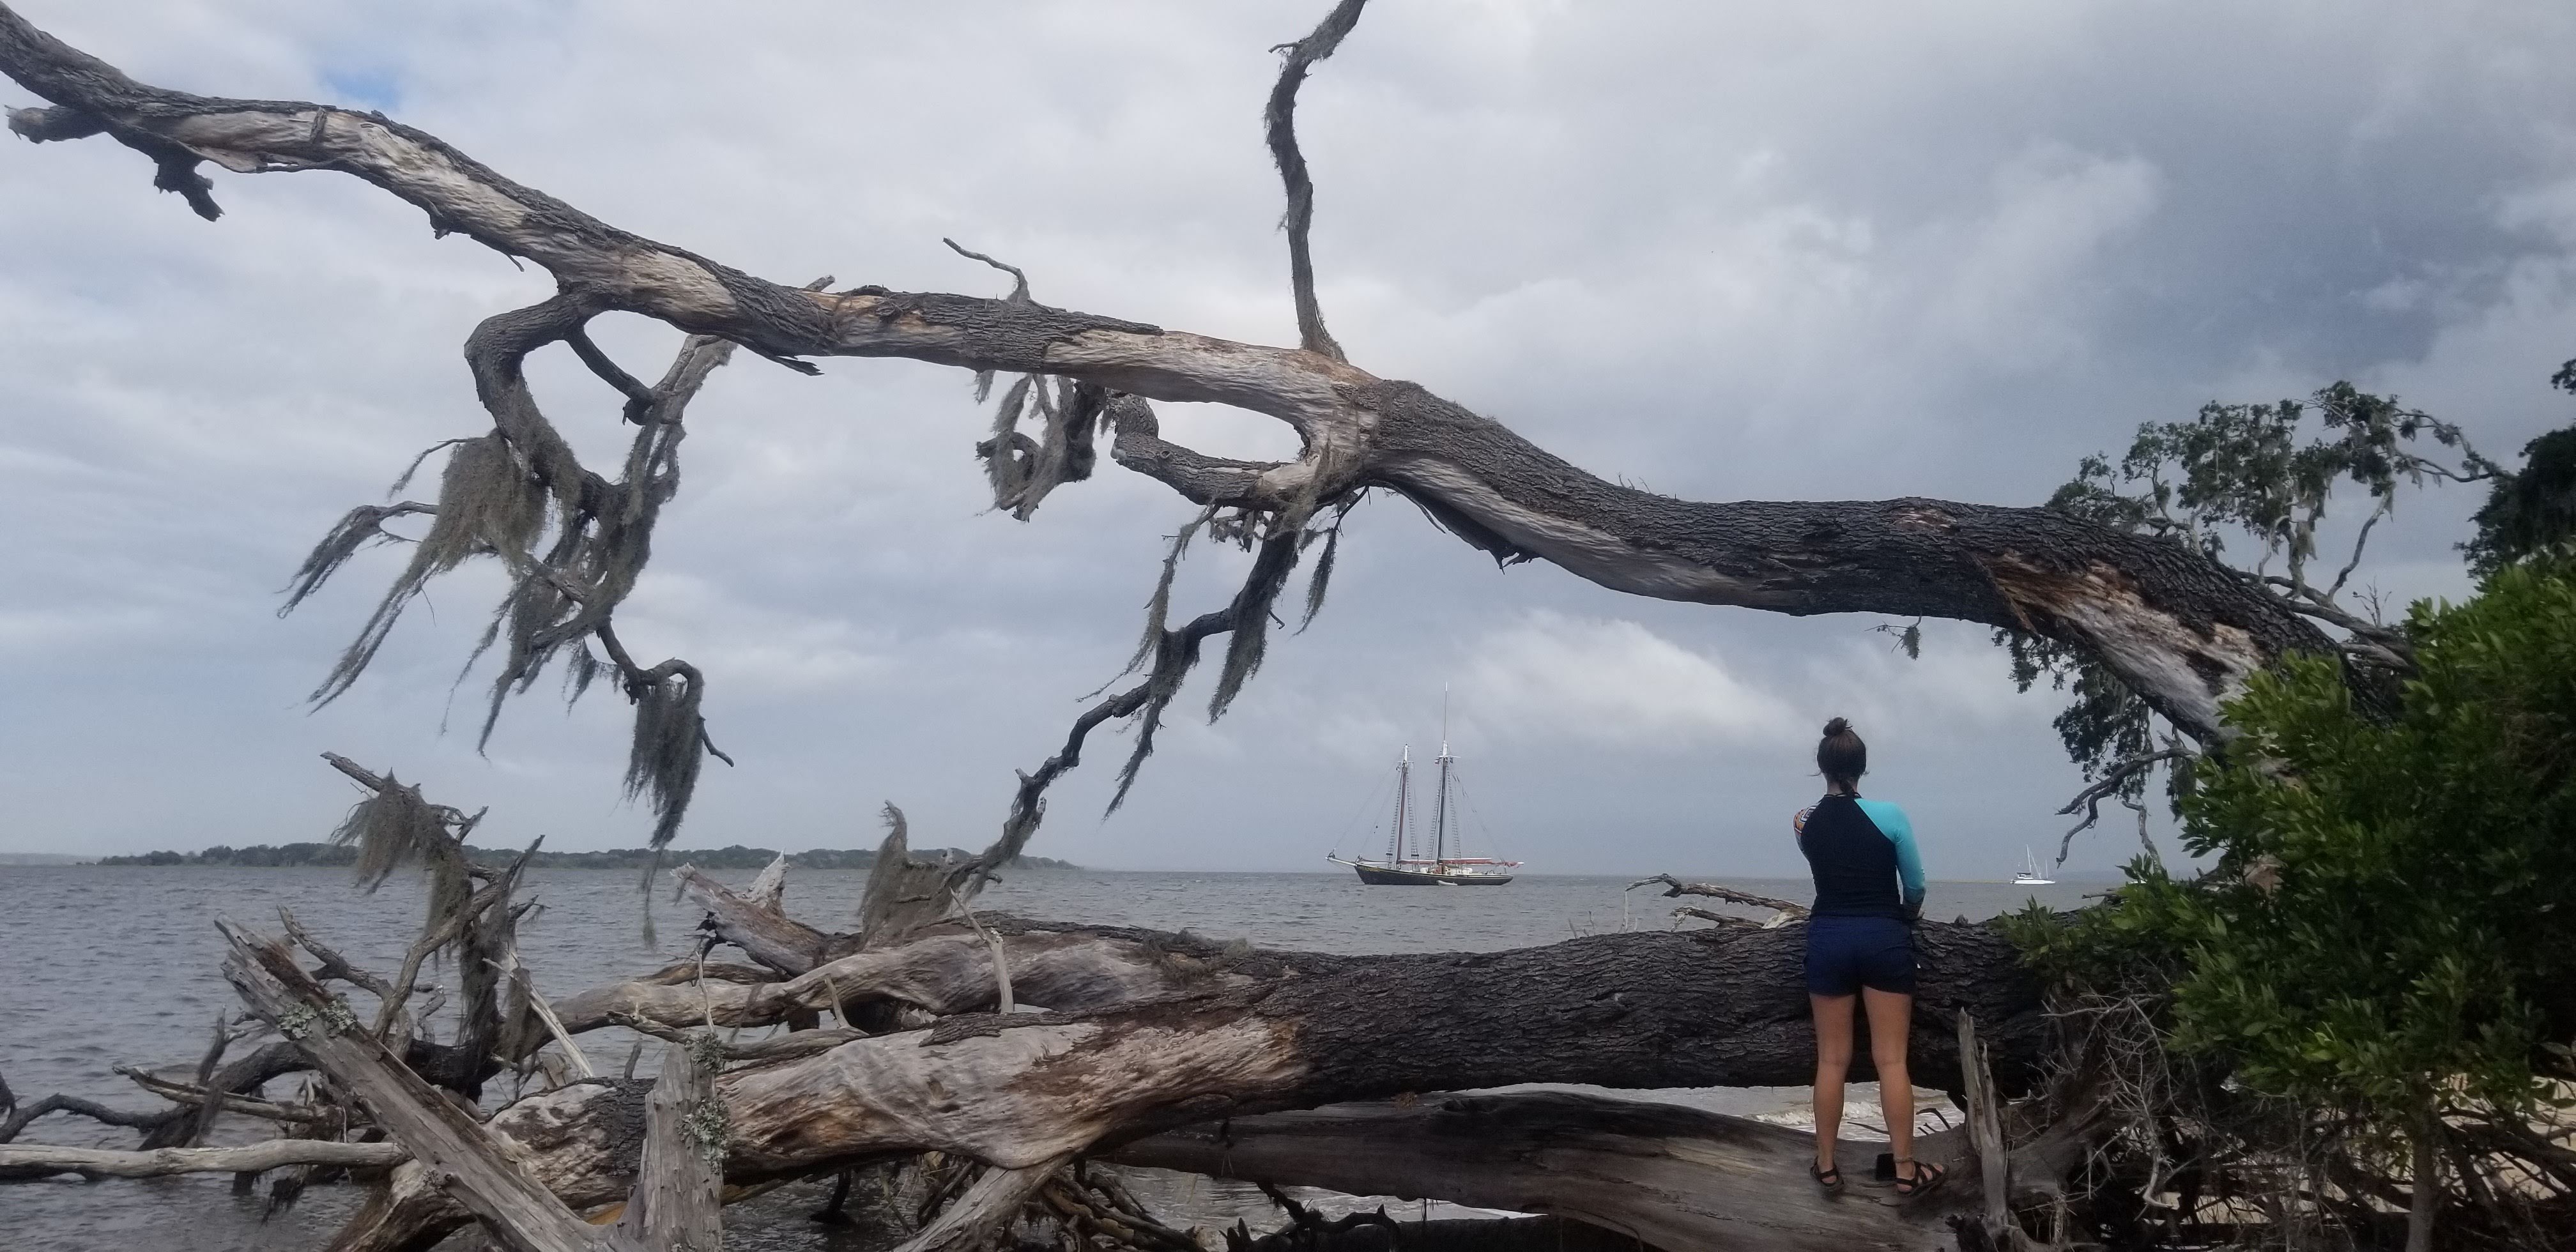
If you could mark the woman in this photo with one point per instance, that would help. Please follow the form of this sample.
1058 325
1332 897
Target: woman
1869 890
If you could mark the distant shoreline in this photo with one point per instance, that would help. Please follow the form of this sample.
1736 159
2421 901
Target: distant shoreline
301 855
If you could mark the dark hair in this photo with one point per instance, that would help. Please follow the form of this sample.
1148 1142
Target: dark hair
1841 757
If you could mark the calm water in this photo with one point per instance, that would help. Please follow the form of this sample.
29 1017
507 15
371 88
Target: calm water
106 966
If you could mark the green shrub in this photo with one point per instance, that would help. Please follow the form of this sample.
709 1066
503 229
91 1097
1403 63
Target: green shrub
2389 918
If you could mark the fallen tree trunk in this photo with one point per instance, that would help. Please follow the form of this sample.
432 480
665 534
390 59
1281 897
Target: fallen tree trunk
39 1160
1670 1176
1655 1009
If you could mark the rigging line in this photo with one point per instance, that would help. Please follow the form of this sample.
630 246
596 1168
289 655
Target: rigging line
1385 788
1479 814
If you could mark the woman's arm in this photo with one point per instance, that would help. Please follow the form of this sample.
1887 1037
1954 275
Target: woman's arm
1891 821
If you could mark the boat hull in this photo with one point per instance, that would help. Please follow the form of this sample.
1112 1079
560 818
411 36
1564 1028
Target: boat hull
1383 876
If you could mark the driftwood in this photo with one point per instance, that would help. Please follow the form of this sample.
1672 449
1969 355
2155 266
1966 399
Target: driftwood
1675 887
672 1206
1670 1176
1781 910
761 929
39 1160
445 1138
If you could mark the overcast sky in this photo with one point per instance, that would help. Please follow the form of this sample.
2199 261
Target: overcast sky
1833 250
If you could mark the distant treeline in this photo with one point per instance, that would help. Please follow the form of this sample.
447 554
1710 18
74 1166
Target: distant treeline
734 857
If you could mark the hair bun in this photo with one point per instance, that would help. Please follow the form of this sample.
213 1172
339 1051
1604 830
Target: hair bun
1838 726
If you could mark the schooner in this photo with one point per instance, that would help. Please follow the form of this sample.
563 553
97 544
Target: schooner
1406 866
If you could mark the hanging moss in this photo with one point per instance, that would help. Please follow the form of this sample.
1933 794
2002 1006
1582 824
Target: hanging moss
395 827
487 503
669 746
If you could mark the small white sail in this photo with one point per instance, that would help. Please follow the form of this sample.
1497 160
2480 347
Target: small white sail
2029 875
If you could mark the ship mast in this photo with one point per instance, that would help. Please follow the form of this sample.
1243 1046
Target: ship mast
1440 807
1403 795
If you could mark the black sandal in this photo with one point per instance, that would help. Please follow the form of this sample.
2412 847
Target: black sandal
1829 1177
1927 1177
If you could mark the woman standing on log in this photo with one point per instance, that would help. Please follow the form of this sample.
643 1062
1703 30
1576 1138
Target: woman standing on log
1869 891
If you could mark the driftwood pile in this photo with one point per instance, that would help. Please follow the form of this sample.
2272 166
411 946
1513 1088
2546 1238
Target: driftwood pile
973 1065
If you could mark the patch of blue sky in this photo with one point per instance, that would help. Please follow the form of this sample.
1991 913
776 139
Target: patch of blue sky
364 86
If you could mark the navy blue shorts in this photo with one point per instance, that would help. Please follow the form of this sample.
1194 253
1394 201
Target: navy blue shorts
1845 954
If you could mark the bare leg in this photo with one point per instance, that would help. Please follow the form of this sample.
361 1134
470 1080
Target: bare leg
1833 1016
1890 1013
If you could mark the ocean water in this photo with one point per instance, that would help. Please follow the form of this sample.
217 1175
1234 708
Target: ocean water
102 966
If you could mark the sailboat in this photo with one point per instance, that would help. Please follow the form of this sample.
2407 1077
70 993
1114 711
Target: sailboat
2029 875
1407 867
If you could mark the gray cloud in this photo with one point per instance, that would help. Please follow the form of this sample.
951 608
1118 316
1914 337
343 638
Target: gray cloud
1835 251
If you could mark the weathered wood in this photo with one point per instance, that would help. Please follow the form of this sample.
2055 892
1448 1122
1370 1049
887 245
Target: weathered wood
768 888
2178 628
1672 1176
38 1160
148 1122
1985 1127
1675 887
583 1141
195 1095
451 1148
674 1206
950 970
1003 1000
985 1210
904 896
545 1013
776 1048
759 929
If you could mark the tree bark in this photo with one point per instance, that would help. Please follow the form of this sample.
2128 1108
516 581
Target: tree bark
2181 630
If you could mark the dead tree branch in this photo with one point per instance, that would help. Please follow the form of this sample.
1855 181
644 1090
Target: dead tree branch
2110 784
39 1160
2180 629
1674 887
90 1109
1280 121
